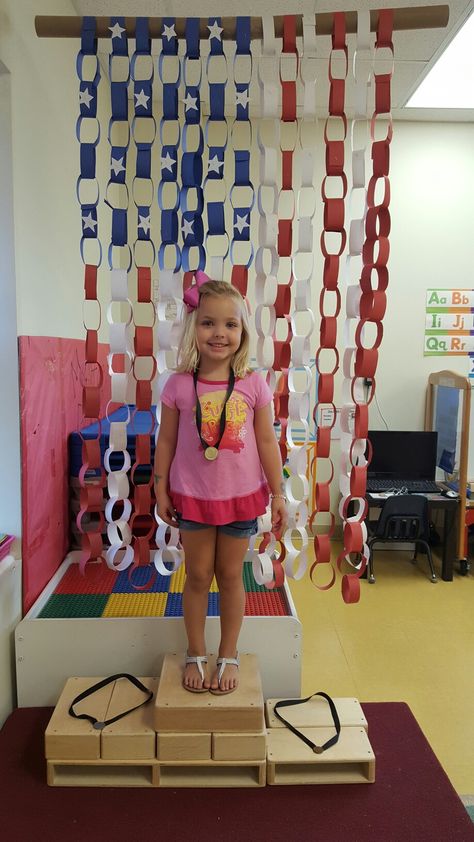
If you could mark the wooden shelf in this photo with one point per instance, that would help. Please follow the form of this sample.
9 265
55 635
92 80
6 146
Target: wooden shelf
212 774
101 773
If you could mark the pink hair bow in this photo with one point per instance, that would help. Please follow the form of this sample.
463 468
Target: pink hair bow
191 296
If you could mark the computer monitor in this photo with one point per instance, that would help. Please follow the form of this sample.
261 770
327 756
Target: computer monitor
404 455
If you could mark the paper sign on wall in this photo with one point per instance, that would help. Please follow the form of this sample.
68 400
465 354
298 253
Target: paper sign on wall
449 324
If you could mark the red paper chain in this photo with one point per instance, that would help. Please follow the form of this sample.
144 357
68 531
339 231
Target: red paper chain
375 255
330 297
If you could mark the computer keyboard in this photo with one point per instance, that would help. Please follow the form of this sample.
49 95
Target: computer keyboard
409 486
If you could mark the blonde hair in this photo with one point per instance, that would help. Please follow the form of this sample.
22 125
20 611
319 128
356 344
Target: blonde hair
188 352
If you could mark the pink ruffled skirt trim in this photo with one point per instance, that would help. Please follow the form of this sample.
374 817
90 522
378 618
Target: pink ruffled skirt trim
218 512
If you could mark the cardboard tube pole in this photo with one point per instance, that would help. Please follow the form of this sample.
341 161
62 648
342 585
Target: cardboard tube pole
418 17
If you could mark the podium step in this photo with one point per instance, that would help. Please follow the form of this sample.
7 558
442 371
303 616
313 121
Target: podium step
69 738
200 740
316 713
183 747
180 711
291 761
133 737
239 746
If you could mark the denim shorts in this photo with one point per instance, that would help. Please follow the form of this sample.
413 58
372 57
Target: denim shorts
238 528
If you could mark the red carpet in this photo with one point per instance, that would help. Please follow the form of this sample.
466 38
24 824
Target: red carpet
411 801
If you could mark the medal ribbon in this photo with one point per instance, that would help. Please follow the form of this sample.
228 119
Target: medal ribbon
222 420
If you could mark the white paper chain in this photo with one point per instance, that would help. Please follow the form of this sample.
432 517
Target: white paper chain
353 449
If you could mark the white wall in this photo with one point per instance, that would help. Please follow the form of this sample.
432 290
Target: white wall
10 491
45 107
432 245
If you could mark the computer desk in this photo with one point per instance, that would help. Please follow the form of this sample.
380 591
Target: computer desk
449 505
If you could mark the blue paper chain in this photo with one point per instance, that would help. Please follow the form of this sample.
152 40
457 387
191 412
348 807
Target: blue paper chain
191 197
170 135
217 240
118 153
87 183
142 64
242 194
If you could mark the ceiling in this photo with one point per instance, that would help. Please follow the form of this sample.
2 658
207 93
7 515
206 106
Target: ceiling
415 50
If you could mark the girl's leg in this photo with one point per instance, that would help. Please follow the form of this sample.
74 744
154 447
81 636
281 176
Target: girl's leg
230 554
199 550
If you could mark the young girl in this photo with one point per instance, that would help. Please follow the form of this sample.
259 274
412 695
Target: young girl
216 460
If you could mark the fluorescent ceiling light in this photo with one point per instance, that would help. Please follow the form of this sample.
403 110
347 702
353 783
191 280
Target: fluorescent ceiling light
450 82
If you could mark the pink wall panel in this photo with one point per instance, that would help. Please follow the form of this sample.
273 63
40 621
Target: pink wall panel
50 408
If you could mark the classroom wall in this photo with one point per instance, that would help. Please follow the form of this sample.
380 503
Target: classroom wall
432 180
10 493
45 107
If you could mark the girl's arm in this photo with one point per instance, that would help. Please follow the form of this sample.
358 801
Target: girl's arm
164 453
270 458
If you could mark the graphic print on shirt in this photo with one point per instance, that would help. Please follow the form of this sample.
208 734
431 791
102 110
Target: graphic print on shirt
236 416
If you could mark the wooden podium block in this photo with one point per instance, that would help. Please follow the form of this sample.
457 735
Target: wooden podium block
70 738
185 746
201 774
243 746
133 737
180 711
316 714
126 773
291 761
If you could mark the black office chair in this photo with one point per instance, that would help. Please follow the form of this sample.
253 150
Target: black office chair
403 518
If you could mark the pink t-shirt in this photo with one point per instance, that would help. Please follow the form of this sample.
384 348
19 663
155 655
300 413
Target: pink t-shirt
233 487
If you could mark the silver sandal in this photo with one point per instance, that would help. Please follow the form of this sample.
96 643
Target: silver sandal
221 663
199 660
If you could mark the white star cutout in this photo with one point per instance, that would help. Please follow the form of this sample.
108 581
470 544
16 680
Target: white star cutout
242 98
89 222
117 165
141 99
215 31
190 102
116 30
85 98
241 223
167 162
168 31
144 223
214 164
187 227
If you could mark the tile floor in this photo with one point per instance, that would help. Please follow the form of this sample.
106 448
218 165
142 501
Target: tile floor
406 640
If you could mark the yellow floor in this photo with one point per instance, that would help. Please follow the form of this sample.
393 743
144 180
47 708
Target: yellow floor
406 640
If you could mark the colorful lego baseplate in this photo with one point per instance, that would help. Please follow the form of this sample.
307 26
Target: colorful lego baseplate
103 593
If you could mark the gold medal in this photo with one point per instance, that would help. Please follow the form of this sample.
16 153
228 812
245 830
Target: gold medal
211 452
